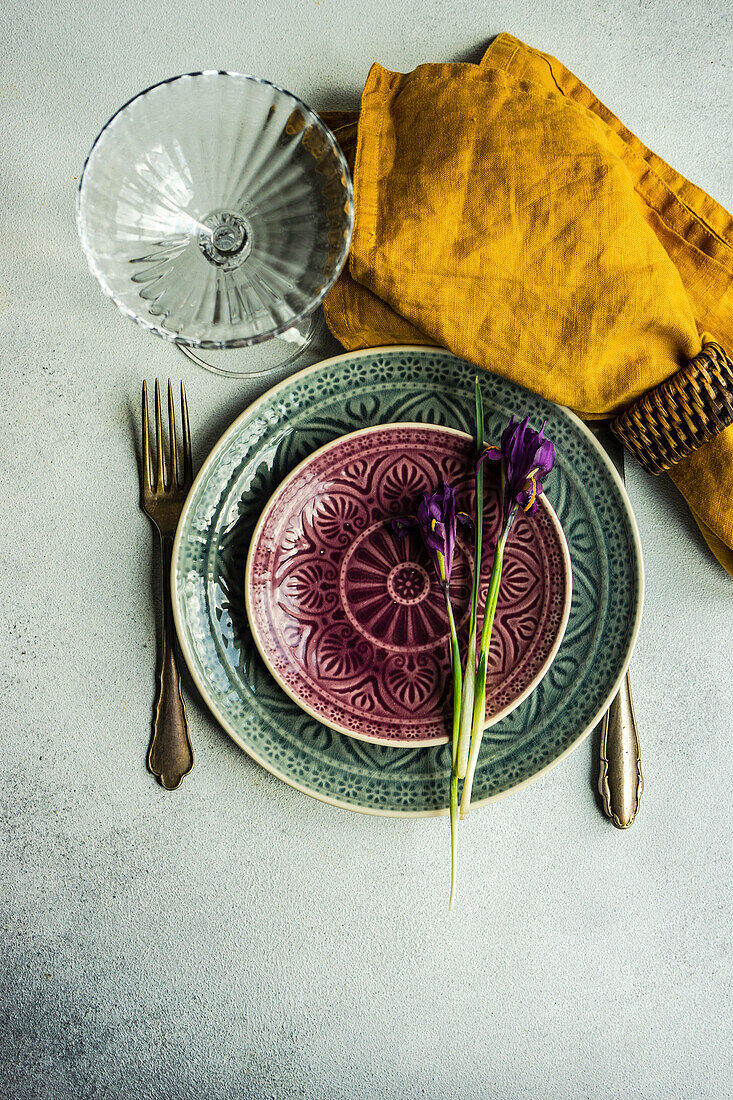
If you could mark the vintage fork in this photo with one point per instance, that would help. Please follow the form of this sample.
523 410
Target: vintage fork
170 756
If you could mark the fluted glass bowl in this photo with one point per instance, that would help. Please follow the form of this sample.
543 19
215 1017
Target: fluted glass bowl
216 210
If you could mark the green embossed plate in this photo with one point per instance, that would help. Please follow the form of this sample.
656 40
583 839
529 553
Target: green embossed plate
263 445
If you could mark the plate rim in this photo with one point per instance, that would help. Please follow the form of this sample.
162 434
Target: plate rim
228 727
393 742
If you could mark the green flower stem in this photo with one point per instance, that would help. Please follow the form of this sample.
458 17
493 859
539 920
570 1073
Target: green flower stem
479 505
479 705
453 837
466 711
457 696
469 680
457 677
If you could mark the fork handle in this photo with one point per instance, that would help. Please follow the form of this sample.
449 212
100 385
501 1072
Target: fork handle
170 756
620 782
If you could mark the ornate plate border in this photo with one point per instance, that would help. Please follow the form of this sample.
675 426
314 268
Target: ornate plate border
268 440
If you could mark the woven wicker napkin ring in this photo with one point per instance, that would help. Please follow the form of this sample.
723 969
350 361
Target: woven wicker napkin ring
681 414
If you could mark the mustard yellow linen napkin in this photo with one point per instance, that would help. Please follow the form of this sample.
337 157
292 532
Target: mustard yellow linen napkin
504 213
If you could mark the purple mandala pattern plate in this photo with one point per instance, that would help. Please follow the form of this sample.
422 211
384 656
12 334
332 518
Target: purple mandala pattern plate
350 619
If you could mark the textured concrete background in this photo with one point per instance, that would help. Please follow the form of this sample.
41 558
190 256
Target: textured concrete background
236 938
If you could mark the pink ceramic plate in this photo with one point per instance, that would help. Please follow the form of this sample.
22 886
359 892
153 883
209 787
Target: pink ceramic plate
350 619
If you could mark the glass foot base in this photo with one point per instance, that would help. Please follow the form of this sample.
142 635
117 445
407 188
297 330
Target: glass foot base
258 359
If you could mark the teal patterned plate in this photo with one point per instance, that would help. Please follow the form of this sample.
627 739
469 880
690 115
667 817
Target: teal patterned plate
263 445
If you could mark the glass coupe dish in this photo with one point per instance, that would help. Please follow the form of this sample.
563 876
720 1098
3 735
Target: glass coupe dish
216 210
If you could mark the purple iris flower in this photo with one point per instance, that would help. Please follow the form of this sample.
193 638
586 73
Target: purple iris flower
437 520
526 458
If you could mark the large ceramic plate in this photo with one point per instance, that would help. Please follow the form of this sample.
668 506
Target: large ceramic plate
268 440
350 618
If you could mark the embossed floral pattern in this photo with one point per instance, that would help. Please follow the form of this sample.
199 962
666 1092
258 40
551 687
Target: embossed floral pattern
389 592
351 618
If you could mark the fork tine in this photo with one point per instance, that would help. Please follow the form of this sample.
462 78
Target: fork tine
187 463
173 472
146 442
160 480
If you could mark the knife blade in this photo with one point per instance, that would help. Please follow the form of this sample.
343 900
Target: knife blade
611 445
620 778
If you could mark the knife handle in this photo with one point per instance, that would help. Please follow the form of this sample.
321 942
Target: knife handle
620 781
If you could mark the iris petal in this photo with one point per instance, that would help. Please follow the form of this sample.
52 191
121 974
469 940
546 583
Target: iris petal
526 458
436 519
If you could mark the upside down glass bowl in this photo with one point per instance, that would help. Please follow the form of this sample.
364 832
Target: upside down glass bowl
216 210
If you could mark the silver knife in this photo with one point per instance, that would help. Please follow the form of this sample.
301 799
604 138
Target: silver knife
620 780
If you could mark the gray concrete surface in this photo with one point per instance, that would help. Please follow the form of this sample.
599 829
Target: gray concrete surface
236 938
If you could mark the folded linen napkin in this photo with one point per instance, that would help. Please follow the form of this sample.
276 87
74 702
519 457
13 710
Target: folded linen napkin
504 213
